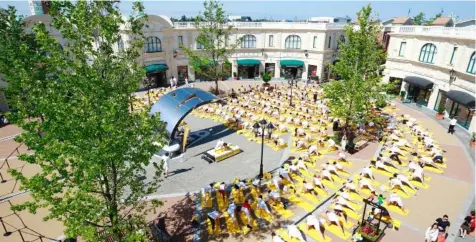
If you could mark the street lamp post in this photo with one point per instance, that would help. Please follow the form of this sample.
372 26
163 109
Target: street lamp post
452 76
291 82
262 126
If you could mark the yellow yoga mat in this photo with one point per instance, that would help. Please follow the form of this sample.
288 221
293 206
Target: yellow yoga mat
301 203
401 193
284 235
231 227
211 232
337 231
313 233
432 169
396 209
284 213
419 185
329 184
311 198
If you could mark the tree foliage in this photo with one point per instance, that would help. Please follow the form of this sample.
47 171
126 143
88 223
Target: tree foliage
213 36
72 102
420 19
359 66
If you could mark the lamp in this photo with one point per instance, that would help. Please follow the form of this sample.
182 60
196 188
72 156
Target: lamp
306 54
262 125
262 51
175 54
452 76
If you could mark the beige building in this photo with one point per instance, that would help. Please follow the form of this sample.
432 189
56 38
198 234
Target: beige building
436 66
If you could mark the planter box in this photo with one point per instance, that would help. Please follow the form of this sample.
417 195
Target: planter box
440 116
472 144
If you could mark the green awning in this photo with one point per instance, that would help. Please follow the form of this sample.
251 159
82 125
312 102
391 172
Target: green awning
291 63
248 62
156 67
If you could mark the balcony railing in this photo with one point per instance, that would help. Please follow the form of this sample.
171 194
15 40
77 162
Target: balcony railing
269 25
469 32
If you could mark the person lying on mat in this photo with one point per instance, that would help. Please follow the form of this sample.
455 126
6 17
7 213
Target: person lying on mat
341 156
417 174
284 173
318 182
395 183
308 188
333 218
314 223
381 166
326 175
386 160
312 150
364 183
367 172
350 186
294 169
294 232
262 205
396 200
344 202
301 164
427 161
404 180
300 144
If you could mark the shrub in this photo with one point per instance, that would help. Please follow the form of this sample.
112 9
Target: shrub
441 110
266 77
402 94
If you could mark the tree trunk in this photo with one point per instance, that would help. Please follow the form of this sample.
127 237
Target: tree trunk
216 87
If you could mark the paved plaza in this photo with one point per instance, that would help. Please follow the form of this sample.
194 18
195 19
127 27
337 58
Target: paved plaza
451 192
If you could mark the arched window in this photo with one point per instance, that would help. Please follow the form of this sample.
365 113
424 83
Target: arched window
292 42
249 41
427 53
472 60
153 45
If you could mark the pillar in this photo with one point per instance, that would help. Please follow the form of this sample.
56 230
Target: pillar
277 69
433 96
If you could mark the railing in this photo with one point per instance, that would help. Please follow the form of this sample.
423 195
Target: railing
5 162
436 31
25 230
268 25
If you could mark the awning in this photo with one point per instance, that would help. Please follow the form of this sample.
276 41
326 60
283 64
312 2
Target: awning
291 63
156 67
418 81
248 62
462 98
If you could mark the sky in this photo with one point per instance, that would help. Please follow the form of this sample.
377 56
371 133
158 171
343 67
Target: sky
300 10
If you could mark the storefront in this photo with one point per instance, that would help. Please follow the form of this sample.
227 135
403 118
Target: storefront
460 105
182 72
269 68
419 90
156 74
291 68
248 68
312 72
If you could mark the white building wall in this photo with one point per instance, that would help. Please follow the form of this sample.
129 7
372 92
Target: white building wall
438 72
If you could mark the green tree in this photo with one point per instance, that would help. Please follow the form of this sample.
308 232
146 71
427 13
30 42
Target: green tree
91 148
359 66
213 37
430 21
419 19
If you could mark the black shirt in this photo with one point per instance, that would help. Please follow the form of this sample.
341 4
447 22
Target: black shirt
443 224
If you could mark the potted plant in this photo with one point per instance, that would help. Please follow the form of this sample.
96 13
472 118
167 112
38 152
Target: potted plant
266 78
472 142
440 114
402 95
235 76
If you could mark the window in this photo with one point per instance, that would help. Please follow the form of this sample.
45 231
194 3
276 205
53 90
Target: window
120 44
153 45
471 69
199 46
271 41
292 42
180 41
403 46
427 53
329 42
249 41
314 42
453 55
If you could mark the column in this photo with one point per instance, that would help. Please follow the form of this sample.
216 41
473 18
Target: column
234 69
277 68
433 97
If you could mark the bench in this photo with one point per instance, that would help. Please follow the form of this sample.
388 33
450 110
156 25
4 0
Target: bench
361 144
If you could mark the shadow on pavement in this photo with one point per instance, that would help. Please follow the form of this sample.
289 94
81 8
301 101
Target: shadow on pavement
218 132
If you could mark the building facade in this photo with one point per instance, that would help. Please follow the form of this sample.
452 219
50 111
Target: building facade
301 49
436 68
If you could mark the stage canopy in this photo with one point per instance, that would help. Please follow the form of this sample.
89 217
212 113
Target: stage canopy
175 105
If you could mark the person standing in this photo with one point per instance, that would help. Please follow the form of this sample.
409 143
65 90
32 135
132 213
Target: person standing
165 164
175 81
451 129
431 234
186 81
443 225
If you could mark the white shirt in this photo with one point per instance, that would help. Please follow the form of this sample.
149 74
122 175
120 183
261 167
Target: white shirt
453 121
308 186
214 214
277 239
